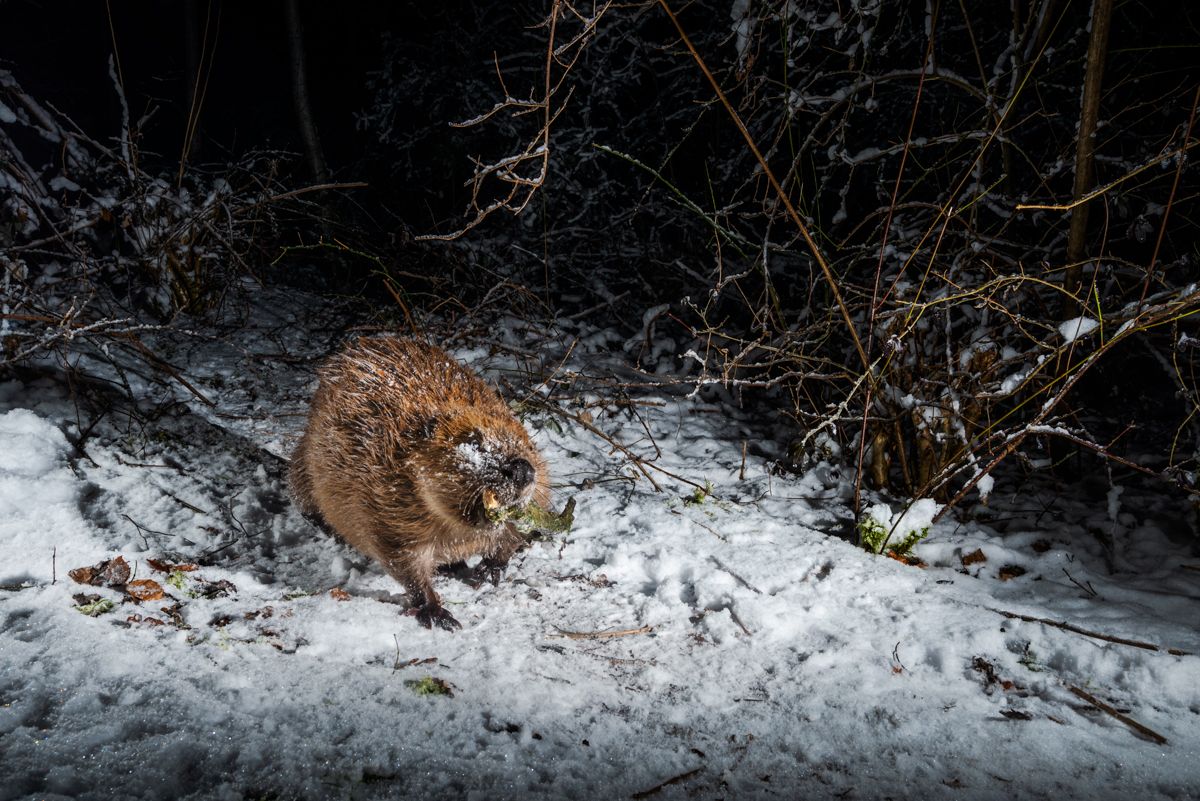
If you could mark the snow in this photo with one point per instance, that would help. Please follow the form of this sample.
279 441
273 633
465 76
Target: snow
1077 327
914 517
738 640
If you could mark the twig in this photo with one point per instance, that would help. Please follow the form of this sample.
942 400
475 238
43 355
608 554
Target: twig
316 188
674 780
1094 634
644 466
1155 162
704 526
602 635
1085 587
734 617
1162 228
776 186
720 566
1145 731
143 530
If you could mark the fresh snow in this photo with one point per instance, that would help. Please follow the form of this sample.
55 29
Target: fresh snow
1077 327
674 644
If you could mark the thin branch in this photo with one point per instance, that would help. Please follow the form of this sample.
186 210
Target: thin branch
602 635
1146 731
1093 634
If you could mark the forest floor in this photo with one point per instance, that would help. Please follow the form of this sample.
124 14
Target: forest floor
675 644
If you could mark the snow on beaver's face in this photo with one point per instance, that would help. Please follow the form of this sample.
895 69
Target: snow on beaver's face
476 464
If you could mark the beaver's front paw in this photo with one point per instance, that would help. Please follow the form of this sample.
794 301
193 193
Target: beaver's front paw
429 614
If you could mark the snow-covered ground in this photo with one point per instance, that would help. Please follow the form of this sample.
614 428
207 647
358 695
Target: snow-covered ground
673 645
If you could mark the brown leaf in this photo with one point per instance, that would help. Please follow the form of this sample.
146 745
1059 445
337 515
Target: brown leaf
84 575
114 572
973 558
174 614
338 594
1011 572
907 559
144 590
171 567
111 573
214 589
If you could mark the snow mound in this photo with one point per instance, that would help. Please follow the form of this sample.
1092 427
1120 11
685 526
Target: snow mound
1077 327
38 491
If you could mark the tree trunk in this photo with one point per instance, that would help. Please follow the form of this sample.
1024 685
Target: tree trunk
308 128
1088 114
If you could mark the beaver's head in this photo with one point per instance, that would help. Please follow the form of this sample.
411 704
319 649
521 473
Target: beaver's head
477 464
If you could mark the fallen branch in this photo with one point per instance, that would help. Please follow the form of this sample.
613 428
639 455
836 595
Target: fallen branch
1145 731
1094 634
602 635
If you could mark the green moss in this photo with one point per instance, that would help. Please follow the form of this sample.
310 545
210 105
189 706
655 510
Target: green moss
430 685
699 495
874 537
95 608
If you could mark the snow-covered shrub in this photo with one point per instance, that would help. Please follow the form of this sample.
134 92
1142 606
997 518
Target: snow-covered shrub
912 305
95 246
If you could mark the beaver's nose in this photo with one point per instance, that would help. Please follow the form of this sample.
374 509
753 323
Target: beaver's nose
519 472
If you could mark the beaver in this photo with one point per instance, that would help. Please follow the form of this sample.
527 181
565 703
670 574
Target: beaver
408 456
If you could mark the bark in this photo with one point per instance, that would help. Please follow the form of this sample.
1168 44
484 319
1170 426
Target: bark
1085 149
304 117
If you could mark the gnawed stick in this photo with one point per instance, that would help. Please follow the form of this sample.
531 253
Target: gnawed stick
1145 731
602 635
1094 634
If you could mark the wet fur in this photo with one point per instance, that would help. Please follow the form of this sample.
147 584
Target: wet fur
381 461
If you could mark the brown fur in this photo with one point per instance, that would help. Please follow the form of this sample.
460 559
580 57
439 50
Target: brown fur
401 444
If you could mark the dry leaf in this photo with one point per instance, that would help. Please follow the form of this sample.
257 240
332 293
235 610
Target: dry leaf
338 594
170 567
907 559
214 589
1011 572
974 557
114 572
144 590
109 573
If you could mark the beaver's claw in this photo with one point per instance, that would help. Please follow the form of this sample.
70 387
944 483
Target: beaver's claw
429 614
